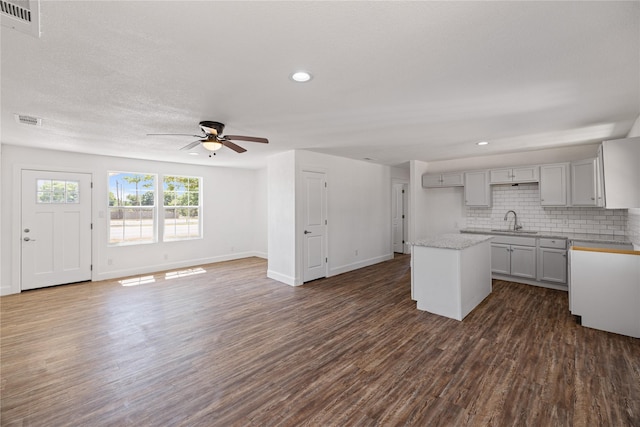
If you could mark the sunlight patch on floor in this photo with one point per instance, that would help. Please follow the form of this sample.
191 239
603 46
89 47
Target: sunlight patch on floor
183 273
135 281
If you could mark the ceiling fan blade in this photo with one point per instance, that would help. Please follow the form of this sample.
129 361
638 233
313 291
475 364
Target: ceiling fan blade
175 134
233 146
247 138
191 145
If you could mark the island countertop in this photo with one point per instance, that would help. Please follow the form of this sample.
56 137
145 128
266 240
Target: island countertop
452 241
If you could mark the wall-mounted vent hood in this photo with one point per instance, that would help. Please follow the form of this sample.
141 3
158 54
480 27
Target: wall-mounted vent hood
21 15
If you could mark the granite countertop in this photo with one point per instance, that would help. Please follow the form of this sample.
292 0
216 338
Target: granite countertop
452 241
596 238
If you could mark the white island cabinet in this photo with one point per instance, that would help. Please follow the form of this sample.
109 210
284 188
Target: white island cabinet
451 273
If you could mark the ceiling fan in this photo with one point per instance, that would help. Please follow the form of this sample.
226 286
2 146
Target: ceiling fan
212 138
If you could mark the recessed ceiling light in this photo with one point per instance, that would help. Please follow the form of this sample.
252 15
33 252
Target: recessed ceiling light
193 153
300 76
482 143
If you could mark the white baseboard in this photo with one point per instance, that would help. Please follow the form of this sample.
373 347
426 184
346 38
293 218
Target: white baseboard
557 286
360 264
287 280
115 274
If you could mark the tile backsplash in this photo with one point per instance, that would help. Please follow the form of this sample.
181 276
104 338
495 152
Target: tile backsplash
525 200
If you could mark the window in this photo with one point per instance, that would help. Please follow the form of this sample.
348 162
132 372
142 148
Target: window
131 208
181 208
56 191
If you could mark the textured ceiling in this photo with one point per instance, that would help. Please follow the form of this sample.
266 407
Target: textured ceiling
393 81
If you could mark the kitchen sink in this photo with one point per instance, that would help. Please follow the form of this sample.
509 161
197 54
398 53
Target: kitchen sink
514 231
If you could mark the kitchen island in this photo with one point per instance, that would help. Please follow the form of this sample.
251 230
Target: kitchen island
451 273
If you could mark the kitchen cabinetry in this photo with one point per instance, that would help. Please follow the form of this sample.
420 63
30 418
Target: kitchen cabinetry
513 175
552 260
585 183
621 170
454 179
477 191
514 256
553 184
605 289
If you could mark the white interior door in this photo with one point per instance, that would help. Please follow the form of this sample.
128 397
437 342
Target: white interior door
397 217
55 228
315 225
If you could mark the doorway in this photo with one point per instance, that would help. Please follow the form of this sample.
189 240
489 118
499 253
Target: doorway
55 224
399 216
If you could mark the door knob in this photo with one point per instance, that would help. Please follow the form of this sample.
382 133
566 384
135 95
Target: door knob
27 239
306 232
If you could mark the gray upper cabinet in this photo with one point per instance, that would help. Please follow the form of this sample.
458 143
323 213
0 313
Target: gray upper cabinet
621 168
451 179
514 175
553 184
584 183
477 191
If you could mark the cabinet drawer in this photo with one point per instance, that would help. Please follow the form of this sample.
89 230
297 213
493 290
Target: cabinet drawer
553 243
514 240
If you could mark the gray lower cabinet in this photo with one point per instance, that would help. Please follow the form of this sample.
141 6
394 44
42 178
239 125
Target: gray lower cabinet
552 260
552 265
514 256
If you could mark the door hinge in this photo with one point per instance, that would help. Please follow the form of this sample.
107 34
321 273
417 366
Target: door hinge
92 185
402 191
325 185
326 260
91 227
325 222
91 267
403 242
402 216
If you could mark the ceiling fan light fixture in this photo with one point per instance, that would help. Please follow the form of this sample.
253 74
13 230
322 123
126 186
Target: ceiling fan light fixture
212 145
301 76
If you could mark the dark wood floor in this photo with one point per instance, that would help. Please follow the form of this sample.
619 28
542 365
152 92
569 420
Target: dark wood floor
227 347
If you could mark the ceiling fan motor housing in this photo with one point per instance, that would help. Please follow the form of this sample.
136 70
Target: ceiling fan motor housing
212 128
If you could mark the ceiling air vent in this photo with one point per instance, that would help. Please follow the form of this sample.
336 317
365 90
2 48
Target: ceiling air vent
28 120
21 15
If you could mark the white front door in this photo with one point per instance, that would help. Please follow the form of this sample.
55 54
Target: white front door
397 217
315 225
55 228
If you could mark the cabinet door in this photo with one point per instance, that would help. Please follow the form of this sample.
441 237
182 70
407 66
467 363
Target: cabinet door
499 176
432 180
477 191
500 259
525 174
583 183
453 179
523 261
552 265
599 180
553 185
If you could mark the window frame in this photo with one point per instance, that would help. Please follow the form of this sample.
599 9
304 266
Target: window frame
140 207
165 207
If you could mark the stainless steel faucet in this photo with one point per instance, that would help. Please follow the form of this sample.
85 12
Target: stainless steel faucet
516 226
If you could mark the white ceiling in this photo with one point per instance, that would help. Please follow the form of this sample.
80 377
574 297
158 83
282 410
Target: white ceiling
393 81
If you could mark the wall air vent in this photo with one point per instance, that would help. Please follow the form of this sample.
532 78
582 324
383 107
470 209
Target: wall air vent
28 120
21 15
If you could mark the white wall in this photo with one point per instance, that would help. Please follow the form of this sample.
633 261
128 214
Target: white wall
358 213
359 210
281 193
228 213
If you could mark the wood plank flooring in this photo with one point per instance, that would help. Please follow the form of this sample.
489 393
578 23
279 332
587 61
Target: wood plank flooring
225 346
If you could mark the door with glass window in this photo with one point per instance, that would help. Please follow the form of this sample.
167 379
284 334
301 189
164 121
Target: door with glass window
55 228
